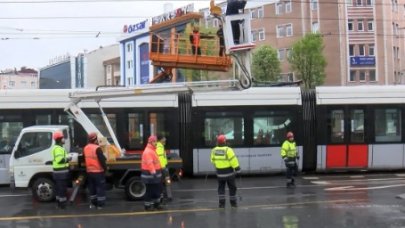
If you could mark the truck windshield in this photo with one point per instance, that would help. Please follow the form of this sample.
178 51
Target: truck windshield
33 142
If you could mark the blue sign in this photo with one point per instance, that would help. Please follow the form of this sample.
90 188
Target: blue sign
144 63
362 61
135 27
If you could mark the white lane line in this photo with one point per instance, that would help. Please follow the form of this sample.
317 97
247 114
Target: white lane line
400 174
310 178
3 196
357 176
352 188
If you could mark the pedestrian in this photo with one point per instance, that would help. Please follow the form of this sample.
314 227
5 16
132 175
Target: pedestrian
195 40
227 165
60 165
151 175
290 156
220 34
166 182
233 8
95 167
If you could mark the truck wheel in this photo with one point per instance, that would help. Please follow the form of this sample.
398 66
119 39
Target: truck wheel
43 189
135 189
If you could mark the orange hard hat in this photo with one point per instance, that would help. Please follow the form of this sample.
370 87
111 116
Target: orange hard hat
57 135
92 136
152 139
221 139
290 135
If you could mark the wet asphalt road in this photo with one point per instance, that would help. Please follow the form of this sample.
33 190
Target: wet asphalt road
366 200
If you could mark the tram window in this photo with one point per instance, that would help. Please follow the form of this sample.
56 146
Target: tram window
33 142
8 135
228 123
135 130
157 123
270 127
388 124
43 119
336 126
98 121
357 126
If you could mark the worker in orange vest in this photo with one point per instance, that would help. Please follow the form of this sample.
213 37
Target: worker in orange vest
151 175
95 167
195 40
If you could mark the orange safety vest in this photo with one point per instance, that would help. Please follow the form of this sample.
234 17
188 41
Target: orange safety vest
150 160
90 156
196 39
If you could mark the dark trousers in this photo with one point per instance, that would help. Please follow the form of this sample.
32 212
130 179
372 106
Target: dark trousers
292 171
96 185
61 179
152 194
196 50
232 189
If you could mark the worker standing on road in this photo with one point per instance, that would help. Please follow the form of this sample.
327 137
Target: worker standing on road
151 175
290 157
60 165
95 167
166 182
226 164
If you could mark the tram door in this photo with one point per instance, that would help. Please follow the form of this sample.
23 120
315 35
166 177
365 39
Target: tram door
346 147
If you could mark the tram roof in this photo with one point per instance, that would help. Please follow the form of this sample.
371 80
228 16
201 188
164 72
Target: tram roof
360 95
252 96
59 98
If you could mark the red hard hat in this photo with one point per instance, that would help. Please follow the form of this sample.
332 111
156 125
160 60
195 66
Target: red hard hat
221 139
152 139
92 136
57 135
290 135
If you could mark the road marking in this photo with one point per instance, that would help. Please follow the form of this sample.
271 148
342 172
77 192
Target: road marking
357 176
310 178
352 188
192 210
400 174
355 180
1 196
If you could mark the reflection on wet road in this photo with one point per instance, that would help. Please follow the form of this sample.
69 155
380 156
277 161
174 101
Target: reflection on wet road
317 201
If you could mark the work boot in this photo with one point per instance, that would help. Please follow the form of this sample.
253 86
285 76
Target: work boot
222 204
148 208
158 206
234 204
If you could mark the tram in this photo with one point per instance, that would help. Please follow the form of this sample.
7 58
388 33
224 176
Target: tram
336 128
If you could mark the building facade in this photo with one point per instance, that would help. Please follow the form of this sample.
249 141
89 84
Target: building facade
24 78
363 39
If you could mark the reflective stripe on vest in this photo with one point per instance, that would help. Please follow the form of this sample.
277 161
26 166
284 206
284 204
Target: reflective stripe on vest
59 154
92 163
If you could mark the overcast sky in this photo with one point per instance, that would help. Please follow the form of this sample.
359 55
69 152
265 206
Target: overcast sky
34 31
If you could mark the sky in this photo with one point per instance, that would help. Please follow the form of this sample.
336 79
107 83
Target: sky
32 32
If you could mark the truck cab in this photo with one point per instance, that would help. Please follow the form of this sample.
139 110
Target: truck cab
31 159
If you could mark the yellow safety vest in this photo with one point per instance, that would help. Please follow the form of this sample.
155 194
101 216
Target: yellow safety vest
160 150
288 149
59 158
223 157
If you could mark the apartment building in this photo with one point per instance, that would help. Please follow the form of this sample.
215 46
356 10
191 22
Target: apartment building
364 40
24 78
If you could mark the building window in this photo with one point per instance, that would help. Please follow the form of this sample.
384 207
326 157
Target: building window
261 34
33 85
360 26
290 77
253 14
129 64
281 54
362 50
260 13
254 36
11 84
280 31
288 6
289 29
349 2
279 8
352 76
371 75
129 47
370 25
359 2
369 2
314 4
351 50
350 25
362 76
371 49
315 27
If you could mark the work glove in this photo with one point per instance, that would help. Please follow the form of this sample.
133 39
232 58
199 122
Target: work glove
298 158
238 170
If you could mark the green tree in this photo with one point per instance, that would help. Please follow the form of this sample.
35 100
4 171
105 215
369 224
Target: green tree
265 64
307 60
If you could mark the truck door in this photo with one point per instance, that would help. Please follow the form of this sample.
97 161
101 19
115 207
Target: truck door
32 152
